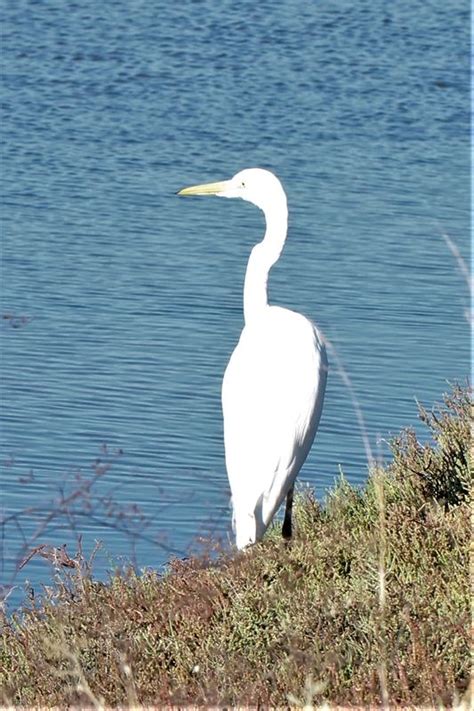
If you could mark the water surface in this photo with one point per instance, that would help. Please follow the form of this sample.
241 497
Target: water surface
131 297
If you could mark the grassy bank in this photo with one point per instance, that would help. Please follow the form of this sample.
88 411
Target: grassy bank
368 604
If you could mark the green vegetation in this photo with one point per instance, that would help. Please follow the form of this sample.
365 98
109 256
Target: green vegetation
368 604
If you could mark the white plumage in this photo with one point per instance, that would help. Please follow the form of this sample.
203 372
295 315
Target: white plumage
272 396
274 384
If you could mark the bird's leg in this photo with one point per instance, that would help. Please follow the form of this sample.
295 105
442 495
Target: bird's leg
286 530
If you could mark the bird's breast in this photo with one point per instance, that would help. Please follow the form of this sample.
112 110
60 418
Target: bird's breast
276 362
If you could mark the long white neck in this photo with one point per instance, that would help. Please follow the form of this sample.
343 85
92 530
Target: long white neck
262 258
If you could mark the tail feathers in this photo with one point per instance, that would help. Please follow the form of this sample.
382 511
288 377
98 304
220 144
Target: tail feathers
248 525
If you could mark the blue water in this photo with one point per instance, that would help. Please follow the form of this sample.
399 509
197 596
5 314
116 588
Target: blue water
122 302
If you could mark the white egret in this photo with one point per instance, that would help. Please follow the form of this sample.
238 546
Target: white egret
273 387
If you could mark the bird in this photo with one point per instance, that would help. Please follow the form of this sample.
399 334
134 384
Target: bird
274 384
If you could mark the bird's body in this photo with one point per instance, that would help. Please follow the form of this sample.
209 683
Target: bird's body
272 397
274 384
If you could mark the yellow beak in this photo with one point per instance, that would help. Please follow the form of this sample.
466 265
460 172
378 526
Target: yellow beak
206 189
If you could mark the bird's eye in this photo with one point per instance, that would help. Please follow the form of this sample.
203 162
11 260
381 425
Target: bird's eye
242 184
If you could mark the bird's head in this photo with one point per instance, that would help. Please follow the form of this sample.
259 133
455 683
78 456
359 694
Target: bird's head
256 185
